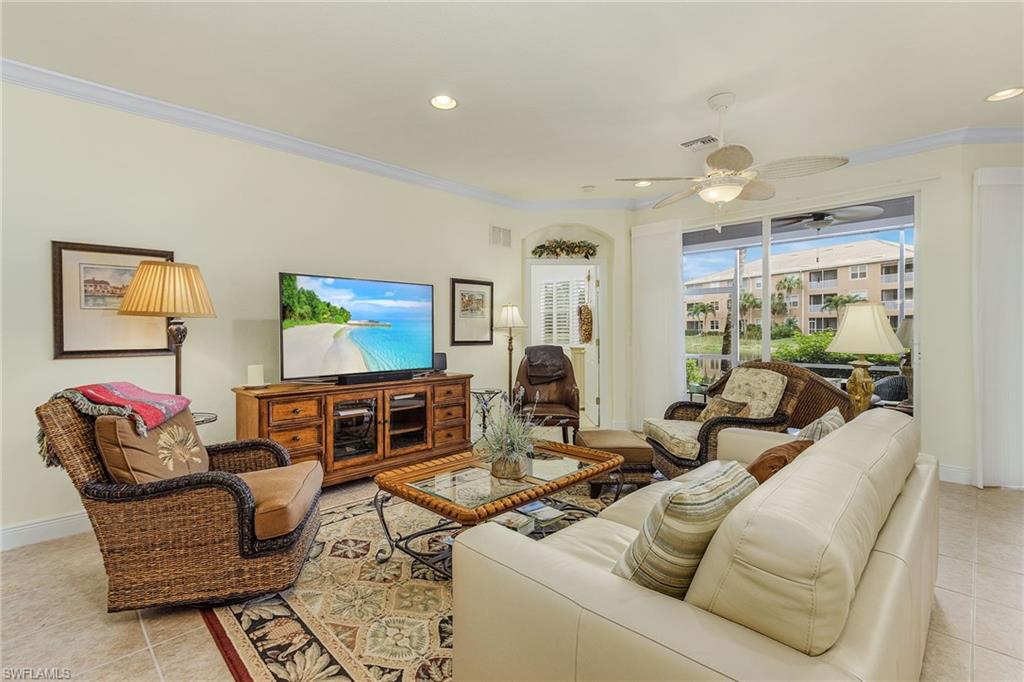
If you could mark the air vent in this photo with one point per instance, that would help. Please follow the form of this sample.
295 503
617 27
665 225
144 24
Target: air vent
699 143
501 236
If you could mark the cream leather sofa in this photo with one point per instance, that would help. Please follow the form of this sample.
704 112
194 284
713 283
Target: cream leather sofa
825 572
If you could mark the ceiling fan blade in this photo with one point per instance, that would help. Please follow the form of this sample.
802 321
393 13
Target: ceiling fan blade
731 157
789 220
661 179
673 198
798 166
852 213
757 190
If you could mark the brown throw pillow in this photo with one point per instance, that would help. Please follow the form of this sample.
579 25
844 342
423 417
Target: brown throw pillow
720 407
171 449
773 459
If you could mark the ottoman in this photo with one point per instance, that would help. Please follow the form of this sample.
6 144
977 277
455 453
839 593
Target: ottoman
638 467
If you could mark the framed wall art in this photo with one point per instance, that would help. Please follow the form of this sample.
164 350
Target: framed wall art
89 281
472 312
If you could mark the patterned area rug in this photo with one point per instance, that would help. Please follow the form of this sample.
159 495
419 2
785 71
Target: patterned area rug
348 617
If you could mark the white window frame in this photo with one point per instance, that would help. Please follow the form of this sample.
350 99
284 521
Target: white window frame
859 271
714 326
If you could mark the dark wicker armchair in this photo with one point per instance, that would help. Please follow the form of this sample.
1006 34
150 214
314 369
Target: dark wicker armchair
807 397
187 540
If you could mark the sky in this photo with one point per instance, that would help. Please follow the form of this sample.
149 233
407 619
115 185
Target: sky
367 299
701 264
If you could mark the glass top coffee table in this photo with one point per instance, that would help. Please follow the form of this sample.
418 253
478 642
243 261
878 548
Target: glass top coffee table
461 489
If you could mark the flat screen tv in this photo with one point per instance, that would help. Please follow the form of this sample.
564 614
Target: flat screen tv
354 328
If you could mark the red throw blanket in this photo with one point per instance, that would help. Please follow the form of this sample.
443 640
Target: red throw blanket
147 409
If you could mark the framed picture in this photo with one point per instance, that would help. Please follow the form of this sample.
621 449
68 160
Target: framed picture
89 281
472 312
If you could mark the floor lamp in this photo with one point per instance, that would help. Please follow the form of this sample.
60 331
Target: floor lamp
168 289
509 319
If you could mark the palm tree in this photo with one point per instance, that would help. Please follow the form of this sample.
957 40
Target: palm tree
748 302
839 301
701 310
784 288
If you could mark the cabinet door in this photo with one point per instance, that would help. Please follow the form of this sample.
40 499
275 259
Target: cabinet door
407 420
356 429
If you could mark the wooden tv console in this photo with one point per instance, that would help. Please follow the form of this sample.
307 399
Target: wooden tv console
362 429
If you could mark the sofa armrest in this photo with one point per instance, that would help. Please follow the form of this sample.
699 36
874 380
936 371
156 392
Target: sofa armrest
529 611
745 445
242 456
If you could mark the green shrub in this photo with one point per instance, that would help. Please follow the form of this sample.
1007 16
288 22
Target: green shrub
811 348
693 373
786 330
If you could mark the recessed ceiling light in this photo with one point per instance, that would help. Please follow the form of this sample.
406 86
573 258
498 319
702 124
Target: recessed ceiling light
443 102
588 188
642 183
1008 93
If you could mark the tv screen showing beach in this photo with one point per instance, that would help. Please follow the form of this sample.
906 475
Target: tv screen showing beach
333 325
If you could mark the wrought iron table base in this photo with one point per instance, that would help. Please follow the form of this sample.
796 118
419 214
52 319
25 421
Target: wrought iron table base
440 562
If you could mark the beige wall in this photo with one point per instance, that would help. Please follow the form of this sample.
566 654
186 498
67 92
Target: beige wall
942 268
78 172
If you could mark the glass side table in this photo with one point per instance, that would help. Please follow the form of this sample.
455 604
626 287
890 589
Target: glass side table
201 418
484 398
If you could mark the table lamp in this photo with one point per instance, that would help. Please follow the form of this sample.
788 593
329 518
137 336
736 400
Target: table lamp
863 328
905 333
509 319
168 289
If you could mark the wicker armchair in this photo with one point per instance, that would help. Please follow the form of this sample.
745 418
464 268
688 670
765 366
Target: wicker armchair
187 540
807 397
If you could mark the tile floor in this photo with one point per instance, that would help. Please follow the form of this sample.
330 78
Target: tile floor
53 613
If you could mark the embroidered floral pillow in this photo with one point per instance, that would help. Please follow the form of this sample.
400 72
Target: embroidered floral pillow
720 407
171 449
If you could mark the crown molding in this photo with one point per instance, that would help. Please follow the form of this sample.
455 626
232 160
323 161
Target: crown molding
53 82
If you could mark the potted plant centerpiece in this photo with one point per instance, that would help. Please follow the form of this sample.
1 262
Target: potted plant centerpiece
509 438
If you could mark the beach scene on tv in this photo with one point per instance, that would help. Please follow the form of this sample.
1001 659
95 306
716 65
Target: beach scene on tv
332 325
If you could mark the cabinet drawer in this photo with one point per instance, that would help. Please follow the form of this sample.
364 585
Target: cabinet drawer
446 392
447 413
300 437
296 409
443 436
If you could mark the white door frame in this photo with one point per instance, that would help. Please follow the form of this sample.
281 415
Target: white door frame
603 333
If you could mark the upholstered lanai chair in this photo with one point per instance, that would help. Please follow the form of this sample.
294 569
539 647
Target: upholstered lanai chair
555 403
807 396
192 539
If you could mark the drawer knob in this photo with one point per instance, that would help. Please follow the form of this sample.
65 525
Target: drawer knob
296 439
296 411
449 413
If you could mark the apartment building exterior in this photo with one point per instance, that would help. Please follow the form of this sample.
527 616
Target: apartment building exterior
868 269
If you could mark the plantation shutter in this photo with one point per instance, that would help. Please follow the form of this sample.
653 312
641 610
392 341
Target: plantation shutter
560 303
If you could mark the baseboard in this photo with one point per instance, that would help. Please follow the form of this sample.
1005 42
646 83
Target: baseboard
21 534
954 474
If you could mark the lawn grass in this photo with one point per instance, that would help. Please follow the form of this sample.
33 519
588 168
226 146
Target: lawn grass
748 347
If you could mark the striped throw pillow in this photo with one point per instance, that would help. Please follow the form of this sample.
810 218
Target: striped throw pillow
822 426
666 553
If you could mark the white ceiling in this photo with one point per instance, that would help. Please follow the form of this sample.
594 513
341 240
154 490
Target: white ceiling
551 96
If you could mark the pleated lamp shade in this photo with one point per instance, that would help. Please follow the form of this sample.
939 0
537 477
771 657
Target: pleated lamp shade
167 289
509 318
864 329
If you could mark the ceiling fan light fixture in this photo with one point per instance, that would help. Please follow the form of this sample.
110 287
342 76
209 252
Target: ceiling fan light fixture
642 183
1008 93
444 102
722 190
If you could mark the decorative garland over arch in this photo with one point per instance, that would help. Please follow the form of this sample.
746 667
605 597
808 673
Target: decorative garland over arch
557 248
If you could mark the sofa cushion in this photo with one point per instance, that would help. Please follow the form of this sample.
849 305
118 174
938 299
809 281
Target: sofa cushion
633 448
665 554
169 450
597 542
822 426
677 436
787 560
761 389
720 407
773 459
283 496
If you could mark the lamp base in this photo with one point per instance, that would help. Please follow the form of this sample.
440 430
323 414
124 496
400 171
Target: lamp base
176 332
860 385
907 371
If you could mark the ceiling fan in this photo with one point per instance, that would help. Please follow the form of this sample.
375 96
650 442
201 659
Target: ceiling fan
731 173
837 216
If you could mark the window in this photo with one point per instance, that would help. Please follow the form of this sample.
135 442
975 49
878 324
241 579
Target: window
820 324
560 301
793 301
823 279
714 304
859 272
757 283
714 325
862 295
